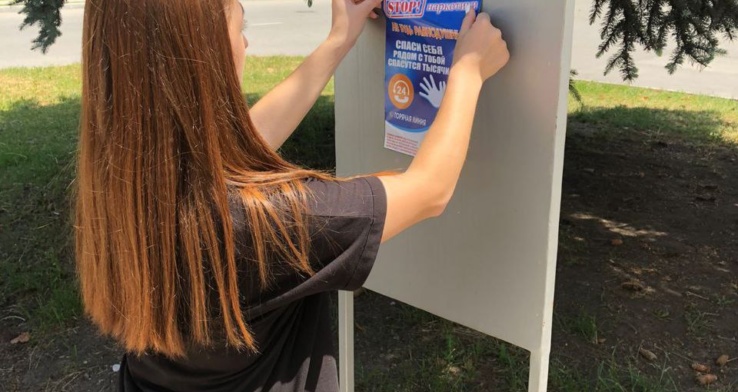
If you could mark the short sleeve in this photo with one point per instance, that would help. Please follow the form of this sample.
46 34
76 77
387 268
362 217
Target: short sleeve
347 220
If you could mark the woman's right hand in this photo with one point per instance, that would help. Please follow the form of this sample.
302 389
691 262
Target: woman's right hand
480 49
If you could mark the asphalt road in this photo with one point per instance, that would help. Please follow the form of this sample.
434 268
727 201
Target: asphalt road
719 79
290 27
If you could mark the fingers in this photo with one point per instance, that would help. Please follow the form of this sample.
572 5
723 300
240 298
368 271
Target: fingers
433 83
370 4
467 22
484 17
367 6
483 22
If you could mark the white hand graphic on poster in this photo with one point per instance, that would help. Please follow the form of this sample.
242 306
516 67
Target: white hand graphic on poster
431 92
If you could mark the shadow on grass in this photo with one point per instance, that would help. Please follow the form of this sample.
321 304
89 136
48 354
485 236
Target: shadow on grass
645 175
37 284
640 176
696 126
647 218
313 143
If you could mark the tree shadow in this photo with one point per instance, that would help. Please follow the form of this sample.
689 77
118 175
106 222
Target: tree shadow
647 236
660 180
37 147
37 139
38 288
313 143
703 126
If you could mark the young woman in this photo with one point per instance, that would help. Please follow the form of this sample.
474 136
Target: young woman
202 251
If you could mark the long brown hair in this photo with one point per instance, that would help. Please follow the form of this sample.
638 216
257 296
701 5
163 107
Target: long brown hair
165 136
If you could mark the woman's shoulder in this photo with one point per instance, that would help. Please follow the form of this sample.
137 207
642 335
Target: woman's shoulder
359 196
354 197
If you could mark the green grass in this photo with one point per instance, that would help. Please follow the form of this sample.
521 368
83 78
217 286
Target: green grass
39 115
583 324
661 114
313 144
451 358
698 322
610 376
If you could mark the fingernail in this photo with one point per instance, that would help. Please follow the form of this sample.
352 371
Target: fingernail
468 8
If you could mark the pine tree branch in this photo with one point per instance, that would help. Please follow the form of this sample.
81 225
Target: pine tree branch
47 15
693 25
573 90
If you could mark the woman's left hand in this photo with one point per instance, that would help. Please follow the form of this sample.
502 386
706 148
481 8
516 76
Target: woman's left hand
349 19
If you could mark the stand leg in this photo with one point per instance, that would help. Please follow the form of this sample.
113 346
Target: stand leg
538 376
346 340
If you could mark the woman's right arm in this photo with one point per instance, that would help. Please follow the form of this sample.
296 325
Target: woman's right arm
424 190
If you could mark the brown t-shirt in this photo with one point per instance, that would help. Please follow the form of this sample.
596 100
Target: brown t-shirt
291 319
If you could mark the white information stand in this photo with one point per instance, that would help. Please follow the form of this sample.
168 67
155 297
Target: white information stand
489 262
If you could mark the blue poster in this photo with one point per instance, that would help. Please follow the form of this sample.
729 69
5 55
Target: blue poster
421 36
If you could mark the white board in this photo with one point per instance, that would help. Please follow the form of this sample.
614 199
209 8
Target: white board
489 262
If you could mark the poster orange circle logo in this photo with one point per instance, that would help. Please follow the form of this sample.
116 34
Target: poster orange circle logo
401 91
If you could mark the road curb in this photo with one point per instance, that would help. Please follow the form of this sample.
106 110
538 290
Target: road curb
6 7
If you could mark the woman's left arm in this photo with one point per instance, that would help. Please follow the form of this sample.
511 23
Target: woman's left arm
279 112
